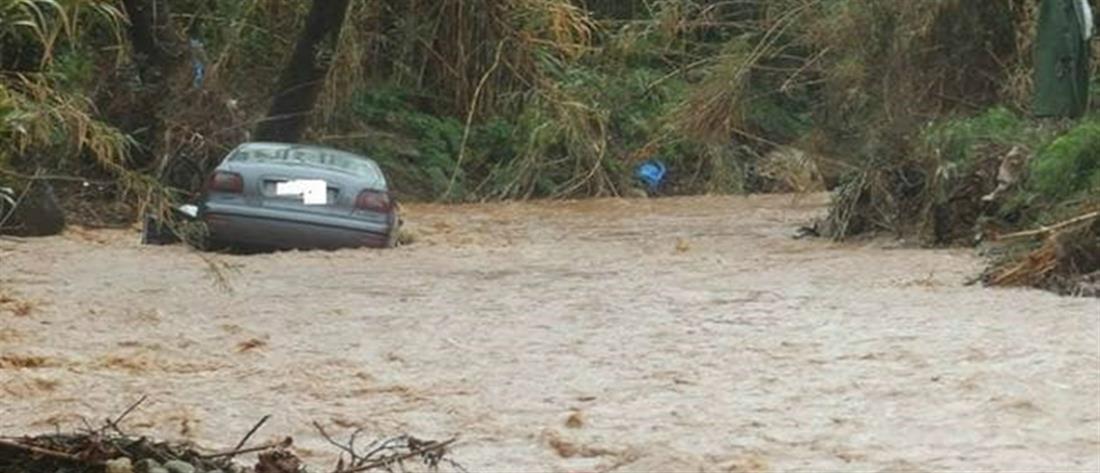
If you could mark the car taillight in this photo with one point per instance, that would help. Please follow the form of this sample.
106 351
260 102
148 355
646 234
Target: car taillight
222 181
374 200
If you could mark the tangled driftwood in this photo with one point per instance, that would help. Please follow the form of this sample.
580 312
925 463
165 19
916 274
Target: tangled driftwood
1065 260
110 450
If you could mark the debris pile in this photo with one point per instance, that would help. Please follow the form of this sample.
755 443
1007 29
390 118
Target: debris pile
97 452
1066 260
110 450
942 203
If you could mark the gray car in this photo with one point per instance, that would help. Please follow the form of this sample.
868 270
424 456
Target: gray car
285 196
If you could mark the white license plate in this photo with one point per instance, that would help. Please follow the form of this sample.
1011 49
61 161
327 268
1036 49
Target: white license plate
311 191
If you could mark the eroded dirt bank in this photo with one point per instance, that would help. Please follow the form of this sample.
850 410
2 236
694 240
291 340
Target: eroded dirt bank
689 335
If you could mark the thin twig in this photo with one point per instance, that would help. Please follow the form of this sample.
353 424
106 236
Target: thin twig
349 449
680 71
382 445
114 424
352 439
249 434
259 448
470 119
458 466
217 270
88 429
435 446
790 80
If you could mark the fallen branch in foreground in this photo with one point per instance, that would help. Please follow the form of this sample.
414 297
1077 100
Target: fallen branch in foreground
108 449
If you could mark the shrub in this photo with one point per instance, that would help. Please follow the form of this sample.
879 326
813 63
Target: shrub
1070 166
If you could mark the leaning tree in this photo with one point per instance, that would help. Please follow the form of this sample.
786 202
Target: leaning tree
303 78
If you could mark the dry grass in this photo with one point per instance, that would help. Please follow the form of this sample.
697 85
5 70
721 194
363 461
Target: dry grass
716 110
449 46
45 113
792 170
36 114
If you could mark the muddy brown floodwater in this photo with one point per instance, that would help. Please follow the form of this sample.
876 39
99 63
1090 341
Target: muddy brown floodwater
662 335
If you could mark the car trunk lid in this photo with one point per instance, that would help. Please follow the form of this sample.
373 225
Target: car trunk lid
273 186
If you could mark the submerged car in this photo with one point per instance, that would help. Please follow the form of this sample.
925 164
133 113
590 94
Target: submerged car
291 196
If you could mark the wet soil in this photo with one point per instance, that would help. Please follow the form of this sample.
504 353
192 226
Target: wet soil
685 334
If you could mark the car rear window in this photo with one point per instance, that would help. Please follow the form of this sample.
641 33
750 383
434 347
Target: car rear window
319 157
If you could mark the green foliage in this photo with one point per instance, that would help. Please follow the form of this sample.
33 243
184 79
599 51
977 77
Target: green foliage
1070 166
48 110
426 165
577 133
780 120
75 71
954 140
382 105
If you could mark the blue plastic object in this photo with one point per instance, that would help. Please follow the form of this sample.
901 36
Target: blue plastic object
198 67
651 173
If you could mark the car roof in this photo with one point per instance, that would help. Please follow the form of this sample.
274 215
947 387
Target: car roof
375 173
282 145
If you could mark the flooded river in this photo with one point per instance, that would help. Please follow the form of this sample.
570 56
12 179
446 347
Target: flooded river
611 335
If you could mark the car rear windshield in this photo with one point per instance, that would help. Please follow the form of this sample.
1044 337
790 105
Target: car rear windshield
318 157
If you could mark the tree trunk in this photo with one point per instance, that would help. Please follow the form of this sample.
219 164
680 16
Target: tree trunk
151 38
156 52
304 76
